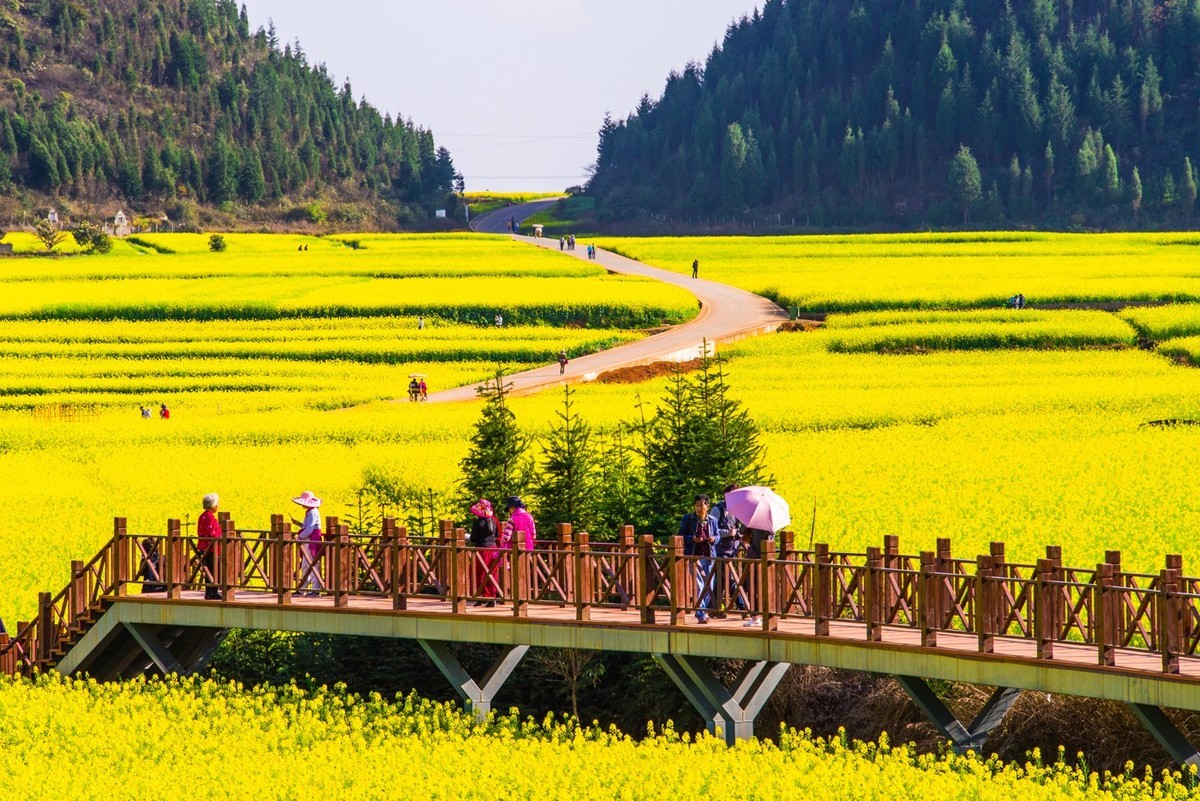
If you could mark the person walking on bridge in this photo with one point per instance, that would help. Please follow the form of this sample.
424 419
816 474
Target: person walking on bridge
208 535
520 524
309 537
485 535
700 530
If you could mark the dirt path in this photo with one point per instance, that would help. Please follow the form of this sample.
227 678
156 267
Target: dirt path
726 315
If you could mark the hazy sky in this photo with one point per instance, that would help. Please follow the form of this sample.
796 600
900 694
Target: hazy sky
516 89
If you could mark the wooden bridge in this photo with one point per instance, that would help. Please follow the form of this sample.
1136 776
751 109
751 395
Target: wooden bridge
1103 632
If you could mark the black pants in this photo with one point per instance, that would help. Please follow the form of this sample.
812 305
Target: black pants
209 560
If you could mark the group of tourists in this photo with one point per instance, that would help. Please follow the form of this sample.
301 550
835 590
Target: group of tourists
1017 301
712 533
493 537
418 390
163 412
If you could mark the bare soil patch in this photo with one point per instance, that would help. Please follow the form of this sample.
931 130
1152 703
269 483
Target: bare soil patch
646 372
801 325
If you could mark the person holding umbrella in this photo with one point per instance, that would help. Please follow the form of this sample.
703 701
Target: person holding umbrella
762 513
700 530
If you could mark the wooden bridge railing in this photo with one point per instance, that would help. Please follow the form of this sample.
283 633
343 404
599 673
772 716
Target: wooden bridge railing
932 593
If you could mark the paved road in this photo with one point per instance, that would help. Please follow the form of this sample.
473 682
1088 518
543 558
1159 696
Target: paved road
726 315
496 221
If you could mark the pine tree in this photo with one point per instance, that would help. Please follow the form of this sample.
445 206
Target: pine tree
1187 191
966 185
497 464
566 487
1135 194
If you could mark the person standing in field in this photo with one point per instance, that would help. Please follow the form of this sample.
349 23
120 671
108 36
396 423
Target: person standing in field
562 362
485 535
519 524
414 390
309 537
423 389
695 268
145 412
700 530
421 323
208 535
164 412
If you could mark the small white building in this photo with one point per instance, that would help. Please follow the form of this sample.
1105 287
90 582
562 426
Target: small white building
120 224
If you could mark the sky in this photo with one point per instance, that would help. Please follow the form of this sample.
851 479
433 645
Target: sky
515 89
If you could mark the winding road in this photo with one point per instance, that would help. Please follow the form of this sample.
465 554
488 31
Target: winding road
726 315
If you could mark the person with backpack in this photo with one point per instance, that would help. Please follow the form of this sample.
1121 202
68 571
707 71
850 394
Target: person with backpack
700 530
725 579
562 362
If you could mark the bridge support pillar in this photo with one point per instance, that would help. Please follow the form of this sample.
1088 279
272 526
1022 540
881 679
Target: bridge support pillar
1167 734
728 711
962 738
477 696
189 651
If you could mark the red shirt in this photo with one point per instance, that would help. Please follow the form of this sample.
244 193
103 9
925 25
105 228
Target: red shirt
208 530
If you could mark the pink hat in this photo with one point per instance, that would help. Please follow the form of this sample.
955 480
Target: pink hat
483 508
307 499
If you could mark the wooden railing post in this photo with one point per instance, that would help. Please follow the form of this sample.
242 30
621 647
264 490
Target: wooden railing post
1003 575
45 629
283 555
873 605
339 566
646 582
520 581
822 604
786 548
1044 618
768 583
677 569
387 556
79 594
230 565
581 553
1120 583
460 576
1170 620
174 560
401 560
1106 603
891 561
944 596
443 565
926 599
564 571
628 573
119 569
986 591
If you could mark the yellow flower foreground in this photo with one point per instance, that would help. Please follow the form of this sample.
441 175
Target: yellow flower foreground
200 740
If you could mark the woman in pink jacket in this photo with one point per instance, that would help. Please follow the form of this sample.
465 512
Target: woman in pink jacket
519 522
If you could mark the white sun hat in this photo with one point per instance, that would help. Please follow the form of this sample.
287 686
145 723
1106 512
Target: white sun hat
307 499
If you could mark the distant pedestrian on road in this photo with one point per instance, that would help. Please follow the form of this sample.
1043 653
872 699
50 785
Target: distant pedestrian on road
414 390
208 535
562 362
424 390
700 530
562 243
309 537
695 268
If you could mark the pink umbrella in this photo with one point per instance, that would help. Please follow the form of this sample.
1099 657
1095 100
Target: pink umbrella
758 507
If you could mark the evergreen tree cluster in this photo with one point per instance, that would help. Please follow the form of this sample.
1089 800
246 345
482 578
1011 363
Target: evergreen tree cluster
178 99
698 439
851 112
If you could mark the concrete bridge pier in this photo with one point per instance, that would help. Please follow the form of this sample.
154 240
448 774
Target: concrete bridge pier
728 712
962 738
477 696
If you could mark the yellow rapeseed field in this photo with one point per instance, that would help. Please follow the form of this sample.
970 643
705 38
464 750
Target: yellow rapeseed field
85 741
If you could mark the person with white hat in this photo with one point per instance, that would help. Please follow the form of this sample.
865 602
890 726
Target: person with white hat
309 537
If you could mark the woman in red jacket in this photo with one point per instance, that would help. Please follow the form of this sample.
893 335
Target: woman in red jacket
208 531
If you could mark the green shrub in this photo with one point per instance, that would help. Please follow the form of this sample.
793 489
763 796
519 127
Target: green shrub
216 243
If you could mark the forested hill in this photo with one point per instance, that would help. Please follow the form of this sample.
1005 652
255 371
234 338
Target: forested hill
168 103
852 113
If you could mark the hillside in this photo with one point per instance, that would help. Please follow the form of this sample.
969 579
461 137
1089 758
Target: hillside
851 112
177 106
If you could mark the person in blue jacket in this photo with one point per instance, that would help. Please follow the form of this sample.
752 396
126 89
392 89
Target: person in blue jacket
700 530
